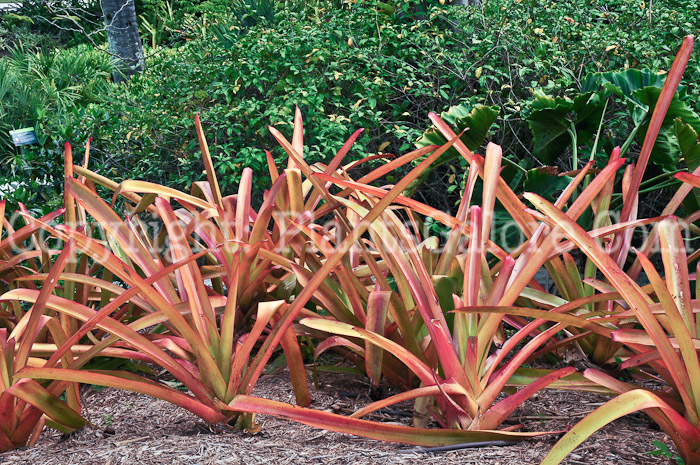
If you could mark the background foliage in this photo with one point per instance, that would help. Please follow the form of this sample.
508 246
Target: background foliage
245 64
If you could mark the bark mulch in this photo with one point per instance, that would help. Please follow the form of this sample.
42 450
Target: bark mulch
131 429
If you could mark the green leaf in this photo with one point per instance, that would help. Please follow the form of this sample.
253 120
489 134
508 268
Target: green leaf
33 393
689 146
688 143
624 83
550 119
478 120
545 181
666 150
18 17
640 90
445 286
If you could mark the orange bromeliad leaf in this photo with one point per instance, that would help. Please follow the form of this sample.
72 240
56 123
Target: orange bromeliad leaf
371 429
628 289
626 403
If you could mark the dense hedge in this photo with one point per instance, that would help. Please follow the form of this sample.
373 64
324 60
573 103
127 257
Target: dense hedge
353 67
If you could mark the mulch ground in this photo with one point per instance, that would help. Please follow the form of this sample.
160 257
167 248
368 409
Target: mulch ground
133 429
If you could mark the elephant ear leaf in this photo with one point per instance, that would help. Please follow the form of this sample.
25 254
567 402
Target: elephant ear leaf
688 142
624 83
545 182
640 89
689 145
587 112
667 149
478 120
550 120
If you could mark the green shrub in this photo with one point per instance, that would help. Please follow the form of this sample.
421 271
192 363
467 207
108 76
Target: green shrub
353 67
241 83
40 88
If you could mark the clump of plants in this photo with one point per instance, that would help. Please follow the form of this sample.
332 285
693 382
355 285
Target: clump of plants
209 287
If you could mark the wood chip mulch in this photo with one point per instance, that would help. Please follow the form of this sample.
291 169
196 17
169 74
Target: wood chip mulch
131 429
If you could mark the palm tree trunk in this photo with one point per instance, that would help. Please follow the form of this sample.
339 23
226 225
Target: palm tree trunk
123 35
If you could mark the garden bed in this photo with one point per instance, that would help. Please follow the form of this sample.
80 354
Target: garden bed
131 428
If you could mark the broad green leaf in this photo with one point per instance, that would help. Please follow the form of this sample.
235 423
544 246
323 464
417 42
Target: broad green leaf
550 120
666 150
689 145
477 121
688 142
640 90
545 181
624 83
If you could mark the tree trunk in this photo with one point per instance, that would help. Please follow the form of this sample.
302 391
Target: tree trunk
124 40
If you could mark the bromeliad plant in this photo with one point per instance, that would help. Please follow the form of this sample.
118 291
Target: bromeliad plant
22 252
174 294
221 287
362 308
667 344
25 405
199 326
453 357
197 338
542 249
28 335
210 329
432 284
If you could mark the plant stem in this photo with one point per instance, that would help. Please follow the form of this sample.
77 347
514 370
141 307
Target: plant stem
629 141
513 164
661 176
594 149
670 183
574 143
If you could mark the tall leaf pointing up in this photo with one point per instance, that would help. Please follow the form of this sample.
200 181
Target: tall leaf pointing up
657 119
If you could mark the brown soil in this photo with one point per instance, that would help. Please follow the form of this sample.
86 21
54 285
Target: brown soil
133 429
